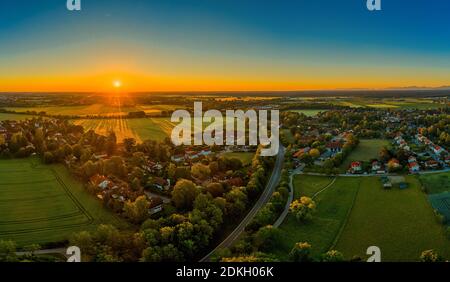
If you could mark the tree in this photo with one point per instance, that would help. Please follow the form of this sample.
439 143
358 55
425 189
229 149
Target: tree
111 143
200 171
7 251
184 194
215 189
129 144
300 252
236 202
48 158
89 169
266 238
167 253
137 211
303 208
32 248
115 166
332 256
314 153
430 256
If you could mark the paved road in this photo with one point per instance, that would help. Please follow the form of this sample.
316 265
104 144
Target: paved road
263 199
369 175
61 251
285 212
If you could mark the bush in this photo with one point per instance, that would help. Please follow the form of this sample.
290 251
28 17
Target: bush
430 256
332 256
303 208
300 252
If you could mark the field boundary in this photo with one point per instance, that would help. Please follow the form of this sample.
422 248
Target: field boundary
344 223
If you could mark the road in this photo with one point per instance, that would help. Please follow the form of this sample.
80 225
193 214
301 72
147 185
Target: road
285 212
263 199
61 251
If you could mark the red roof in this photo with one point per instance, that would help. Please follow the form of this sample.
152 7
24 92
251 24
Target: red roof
334 145
411 165
356 164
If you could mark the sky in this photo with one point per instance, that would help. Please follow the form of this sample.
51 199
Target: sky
222 45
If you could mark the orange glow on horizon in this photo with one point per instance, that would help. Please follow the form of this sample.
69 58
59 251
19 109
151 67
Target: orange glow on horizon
154 82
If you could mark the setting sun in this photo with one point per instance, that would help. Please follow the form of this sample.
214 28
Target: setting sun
117 83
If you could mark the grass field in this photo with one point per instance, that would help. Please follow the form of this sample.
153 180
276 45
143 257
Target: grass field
389 103
44 204
400 222
333 205
309 113
436 183
7 116
308 185
245 157
367 149
95 109
140 128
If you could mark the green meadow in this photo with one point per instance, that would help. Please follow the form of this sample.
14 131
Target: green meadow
44 204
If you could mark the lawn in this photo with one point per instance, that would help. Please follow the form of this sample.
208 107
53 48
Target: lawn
436 183
44 204
333 206
400 222
366 150
308 185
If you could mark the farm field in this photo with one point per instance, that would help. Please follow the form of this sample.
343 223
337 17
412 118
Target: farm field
333 206
403 103
400 222
8 116
309 113
44 204
93 110
140 128
367 149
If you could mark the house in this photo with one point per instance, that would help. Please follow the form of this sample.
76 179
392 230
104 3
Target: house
160 183
191 155
301 152
177 158
105 184
334 146
447 159
437 149
412 159
156 205
376 166
414 167
356 167
431 164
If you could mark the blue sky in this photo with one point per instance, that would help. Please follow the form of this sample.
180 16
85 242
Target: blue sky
298 44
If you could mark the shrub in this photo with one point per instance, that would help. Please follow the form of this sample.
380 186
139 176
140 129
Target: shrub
303 208
300 252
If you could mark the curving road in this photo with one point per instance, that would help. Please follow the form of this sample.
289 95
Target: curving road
263 199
